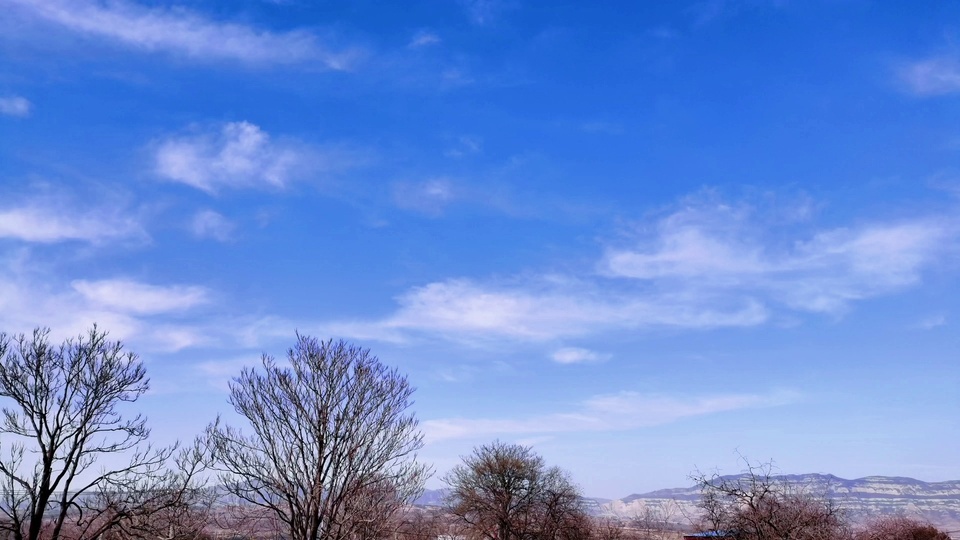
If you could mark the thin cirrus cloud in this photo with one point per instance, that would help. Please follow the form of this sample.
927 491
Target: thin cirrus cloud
219 373
429 197
705 265
236 155
213 225
470 312
714 249
423 38
931 322
180 31
611 412
50 220
148 315
577 355
129 296
933 76
481 12
15 106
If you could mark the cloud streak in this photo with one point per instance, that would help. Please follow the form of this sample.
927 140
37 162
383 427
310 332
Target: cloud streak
211 224
430 197
423 38
577 355
462 310
150 315
610 412
15 106
51 219
934 76
179 31
481 12
716 249
707 264
236 155
128 296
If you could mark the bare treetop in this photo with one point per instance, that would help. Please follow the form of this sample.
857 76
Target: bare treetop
760 506
506 492
331 446
60 418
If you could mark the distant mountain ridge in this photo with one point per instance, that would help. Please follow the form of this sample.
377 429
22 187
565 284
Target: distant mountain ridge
861 498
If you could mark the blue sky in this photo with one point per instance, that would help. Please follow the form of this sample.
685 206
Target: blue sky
644 237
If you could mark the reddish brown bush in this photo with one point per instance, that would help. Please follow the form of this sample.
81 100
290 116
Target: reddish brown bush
900 528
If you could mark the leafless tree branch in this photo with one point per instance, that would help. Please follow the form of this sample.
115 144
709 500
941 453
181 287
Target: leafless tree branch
331 450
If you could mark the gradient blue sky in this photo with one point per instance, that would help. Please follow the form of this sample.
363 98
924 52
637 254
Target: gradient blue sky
640 236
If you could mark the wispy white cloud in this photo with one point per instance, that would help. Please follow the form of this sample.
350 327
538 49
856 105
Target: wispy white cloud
210 224
429 197
423 38
462 310
931 322
706 264
455 77
482 12
15 106
34 293
219 373
720 249
456 373
180 31
932 76
148 315
236 155
465 146
489 191
577 355
129 296
50 219
612 412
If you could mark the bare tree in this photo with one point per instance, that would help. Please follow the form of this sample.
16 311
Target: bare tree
655 521
175 505
505 492
62 417
332 447
239 520
421 524
759 506
609 528
899 528
560 514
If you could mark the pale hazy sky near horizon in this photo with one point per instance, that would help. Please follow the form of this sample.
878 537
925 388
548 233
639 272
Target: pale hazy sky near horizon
642 237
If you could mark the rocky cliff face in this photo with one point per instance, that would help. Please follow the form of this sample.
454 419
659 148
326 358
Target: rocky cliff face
863 498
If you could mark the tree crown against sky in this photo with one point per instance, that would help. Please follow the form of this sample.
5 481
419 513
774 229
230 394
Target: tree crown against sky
330 454
505 492
329 447
73 464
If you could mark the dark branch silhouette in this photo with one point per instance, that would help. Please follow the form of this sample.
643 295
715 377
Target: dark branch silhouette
61 418
506 492
331 450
